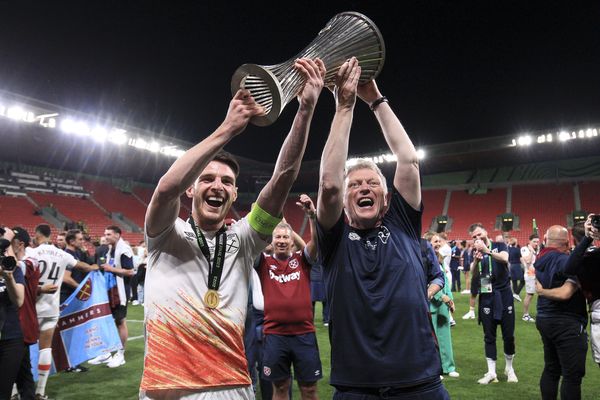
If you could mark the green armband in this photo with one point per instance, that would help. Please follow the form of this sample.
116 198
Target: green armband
261 221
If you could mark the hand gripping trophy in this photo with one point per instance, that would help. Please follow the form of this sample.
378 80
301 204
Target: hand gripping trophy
346 35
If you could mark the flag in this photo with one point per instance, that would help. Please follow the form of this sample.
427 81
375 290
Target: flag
86 327
535 228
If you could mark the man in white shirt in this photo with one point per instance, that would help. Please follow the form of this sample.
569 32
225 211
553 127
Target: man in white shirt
199 270
528 255
53 262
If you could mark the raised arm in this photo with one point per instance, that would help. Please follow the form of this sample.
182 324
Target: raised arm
164 205
406 177
330 201
272 197
309 209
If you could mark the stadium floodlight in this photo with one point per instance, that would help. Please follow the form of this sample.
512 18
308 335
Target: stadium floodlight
81 128
541 139
590 133
154 147
17 113
67 125
563 136
524 140
117 136
420 154
99 134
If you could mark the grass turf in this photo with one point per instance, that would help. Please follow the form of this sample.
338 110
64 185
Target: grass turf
123 382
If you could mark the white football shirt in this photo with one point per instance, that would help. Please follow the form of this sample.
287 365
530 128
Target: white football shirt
52 263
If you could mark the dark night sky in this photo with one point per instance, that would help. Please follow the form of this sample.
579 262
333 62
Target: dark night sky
454 69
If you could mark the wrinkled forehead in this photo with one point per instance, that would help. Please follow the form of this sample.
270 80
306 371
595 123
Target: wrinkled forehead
363 174
281 232
217 168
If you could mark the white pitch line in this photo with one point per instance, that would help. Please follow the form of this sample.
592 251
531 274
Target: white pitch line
135 337
135 320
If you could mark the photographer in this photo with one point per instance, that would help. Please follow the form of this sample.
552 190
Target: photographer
584 263
12 294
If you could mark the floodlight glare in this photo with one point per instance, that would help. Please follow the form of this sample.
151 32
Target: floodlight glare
99 134
16 113
420 154
67 125
524 140
154 147
589 133
541 139
117 136
81 128
563 136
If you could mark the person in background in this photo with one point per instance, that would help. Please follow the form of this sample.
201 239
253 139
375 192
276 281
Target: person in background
12 296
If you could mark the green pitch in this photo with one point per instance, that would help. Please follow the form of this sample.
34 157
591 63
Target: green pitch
123 382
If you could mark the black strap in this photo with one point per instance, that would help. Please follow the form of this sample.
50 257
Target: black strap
216 269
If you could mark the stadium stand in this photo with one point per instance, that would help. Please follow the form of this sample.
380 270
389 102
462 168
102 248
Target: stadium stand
433 205
114 200
549 204
466 208
589 193
19 211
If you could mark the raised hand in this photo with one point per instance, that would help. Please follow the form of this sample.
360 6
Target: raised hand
241 109
314 72
346 83
307 205
369 92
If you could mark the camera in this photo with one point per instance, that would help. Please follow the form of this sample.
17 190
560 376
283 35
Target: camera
7 263
596 221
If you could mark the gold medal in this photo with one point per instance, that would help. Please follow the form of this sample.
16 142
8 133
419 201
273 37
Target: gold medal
211 299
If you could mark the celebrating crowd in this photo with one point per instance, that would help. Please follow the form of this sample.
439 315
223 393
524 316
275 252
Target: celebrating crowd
221 299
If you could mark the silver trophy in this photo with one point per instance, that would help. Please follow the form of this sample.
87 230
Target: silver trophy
346 35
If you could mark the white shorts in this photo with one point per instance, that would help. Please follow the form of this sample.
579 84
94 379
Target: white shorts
595 331
530 284
47 322
239 393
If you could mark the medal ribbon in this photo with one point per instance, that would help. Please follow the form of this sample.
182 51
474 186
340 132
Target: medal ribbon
216 269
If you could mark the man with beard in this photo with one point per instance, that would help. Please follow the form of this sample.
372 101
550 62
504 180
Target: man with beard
496 303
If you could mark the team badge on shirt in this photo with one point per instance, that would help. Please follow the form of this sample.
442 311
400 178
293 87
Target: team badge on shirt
353 236
384 234
486 310
293 263
267 371
233 242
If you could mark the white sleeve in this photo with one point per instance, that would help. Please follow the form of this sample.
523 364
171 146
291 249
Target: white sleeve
70 260
250 241
258 300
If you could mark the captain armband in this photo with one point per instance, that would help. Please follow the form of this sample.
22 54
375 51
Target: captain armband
261 221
